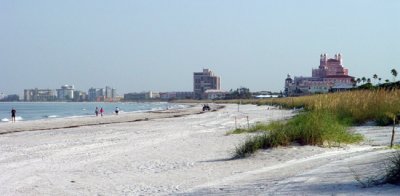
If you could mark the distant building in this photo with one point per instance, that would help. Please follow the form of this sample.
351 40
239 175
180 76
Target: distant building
110 93
39 95
65 93
329 76
10 98
141 96
265 95
203 81
176 95
96 94
114 94
102 94
215 94
80 96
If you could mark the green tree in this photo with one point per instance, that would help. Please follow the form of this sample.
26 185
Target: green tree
358 80
354 82
394 73
375 77
369 80
363 79
379 79
387 81
240 93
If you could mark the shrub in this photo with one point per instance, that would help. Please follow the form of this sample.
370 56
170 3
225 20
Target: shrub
393 170
250 145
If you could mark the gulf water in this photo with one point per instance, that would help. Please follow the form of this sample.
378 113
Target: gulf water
44 110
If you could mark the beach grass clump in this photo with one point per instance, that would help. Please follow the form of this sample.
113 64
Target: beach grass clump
393 170
391 175
250 145
261 141
237 131
309 128
319 128
258 127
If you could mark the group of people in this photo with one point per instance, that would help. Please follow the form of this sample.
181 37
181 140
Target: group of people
97 112
101 111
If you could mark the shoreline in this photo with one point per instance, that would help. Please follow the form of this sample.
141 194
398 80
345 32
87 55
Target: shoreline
32 111
69 122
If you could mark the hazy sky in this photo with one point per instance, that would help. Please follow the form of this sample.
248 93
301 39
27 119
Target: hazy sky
146 45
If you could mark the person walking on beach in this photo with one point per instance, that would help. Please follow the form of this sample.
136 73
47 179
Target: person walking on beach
96 111
13 113
116 110
101 111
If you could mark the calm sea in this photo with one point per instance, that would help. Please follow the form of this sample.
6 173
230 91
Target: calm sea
43 110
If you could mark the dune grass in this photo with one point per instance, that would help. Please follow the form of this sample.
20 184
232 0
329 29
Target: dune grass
325 118
308 128
360 106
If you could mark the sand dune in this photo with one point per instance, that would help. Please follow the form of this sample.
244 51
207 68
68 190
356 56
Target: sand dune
185 155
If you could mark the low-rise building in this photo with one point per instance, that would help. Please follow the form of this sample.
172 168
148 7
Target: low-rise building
215 94
9 98
150 95
176 95
265 95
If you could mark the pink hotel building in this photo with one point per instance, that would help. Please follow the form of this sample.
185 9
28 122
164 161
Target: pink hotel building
329 76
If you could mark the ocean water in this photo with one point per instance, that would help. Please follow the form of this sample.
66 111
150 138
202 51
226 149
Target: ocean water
45 110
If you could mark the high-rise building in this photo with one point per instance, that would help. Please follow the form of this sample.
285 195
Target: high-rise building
110 93
102 94
114 93
96 94
65 93
79 96
39 95
203 81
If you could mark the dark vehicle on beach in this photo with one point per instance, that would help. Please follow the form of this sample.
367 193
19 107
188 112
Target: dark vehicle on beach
206 107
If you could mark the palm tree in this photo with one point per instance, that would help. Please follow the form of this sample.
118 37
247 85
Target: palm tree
375 77
369 80
387 81
394 73
363 79
379 80
353 82
358 80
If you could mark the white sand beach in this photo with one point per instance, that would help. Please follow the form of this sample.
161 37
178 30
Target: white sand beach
180 152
